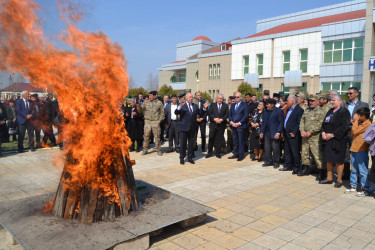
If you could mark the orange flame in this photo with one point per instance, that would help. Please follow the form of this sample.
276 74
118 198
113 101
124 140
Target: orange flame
90 81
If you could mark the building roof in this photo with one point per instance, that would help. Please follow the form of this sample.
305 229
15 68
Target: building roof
21 86
179 61
202 38
311 23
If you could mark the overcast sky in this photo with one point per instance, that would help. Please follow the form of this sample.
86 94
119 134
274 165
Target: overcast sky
149 30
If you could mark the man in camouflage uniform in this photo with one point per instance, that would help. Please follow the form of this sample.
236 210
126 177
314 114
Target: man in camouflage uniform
301 97
310 125
153 112
324 102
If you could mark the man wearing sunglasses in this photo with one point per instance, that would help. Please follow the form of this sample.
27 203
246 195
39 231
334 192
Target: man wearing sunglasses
354 104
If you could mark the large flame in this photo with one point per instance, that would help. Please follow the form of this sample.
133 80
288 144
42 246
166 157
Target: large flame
90 81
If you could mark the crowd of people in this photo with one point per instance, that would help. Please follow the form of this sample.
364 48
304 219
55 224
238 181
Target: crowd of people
35 114
301 133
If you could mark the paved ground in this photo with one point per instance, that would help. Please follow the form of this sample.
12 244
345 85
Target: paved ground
257 208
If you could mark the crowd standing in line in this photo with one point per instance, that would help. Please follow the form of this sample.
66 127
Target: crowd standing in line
301 133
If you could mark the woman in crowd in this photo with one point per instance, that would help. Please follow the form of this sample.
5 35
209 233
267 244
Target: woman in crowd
334 135
134 124
283 105
255 141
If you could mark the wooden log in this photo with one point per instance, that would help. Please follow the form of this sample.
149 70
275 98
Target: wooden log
89 197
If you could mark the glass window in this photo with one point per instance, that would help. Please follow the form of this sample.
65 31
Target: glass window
347 55
210 73
328 56
260 64
343 51
182 77
218 71
348 44
223 47
337 45
214 71
358 54
337 56
341 87
326 85
173 79
285 89
245 65
286 61
260 89
328 46
197 75
303 60
304 86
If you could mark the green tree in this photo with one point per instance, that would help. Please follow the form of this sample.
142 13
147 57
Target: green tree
134 92
167 90
205 96
245 88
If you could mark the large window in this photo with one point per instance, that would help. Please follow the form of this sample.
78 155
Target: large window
286 61
343 51
341 87
183 77
210 73
245 65
214 71
260 64
218 71
303 60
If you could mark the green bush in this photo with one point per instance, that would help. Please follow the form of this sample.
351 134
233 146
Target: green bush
167 90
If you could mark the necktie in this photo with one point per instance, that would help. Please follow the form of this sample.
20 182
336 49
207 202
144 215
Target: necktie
27 106
219 108
236 107
190 109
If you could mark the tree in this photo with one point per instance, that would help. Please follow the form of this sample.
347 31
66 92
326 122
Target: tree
134 92
131 83
245 88
206 96
167 90
152 83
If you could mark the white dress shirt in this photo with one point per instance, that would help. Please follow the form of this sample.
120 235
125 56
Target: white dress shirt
173 109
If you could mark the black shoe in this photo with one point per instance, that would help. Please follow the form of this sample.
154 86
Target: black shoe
208 155
182 162
191 161
218 156
305 171
325 181
276 165
177 151
259 160
338 184
233 157
138 150
33 150
20 151
295 171
169 151
267 165
285 169
241 158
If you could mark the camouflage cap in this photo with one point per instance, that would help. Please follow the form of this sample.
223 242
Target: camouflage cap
313 97
323 94
301 94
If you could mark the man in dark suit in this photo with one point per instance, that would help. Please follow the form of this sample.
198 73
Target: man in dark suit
271 130
238 116
187 125
163 128
202 121
218 114
24 115
292 136
172 124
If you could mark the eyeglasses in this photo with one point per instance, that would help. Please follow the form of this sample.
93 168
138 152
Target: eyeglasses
238 96
349 93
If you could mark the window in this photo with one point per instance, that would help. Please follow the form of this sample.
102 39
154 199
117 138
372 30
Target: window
197 75
260 89
245 65
285 89
303 60
341 87
343 51
214 71
223 47
260 64
286 61
304 86
173 79
210 74
218 71
182 77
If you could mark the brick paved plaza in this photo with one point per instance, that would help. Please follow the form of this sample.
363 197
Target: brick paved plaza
256 207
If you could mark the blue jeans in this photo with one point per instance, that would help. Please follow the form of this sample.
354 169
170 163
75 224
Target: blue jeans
359 160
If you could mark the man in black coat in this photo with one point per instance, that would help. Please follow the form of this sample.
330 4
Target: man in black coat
172 124
202 121
292 136
218 114
187 125
46 119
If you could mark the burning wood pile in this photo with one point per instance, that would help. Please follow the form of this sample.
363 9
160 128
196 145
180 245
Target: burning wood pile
90 80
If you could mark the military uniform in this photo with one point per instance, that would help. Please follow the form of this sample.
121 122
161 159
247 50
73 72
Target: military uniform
311 121
153 112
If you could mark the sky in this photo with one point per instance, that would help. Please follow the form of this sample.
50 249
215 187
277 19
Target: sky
149 30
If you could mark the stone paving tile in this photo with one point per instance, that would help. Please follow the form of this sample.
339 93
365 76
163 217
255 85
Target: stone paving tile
246 233
284 234
309 242
189 241
229 241
269 242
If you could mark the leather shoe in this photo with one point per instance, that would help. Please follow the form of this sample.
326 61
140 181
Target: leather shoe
208 155
240 158
182 162
169 151
276 165
266 165
285 169
233 157
191 161
325 182
338 184
218 156
295 171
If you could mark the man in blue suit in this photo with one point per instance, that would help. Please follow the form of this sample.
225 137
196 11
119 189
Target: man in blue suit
187 125
292 136
238 116
24 114
271 130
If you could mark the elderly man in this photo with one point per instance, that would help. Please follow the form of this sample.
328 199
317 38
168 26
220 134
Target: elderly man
188 125
292 135
24 115
153 112
301 98
238 117
218 114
